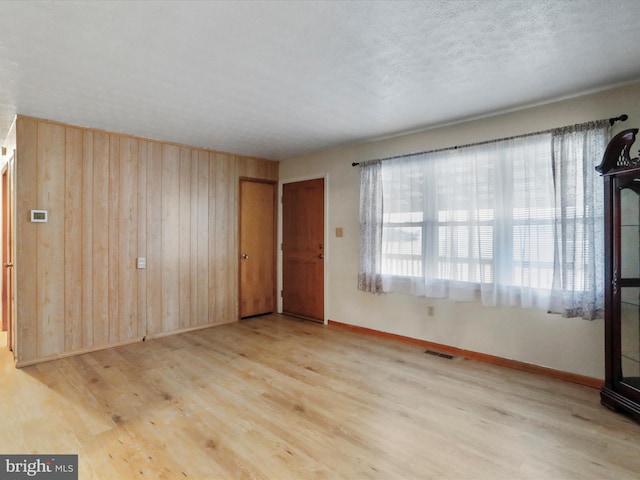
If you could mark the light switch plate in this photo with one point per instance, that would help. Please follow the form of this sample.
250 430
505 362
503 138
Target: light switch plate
142 262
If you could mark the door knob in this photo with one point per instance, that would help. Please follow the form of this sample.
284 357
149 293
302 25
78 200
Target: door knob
321 256
245 256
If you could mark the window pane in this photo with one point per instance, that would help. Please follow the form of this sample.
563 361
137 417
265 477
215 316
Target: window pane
402 250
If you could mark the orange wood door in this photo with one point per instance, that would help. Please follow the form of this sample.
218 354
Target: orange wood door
303 248
257 247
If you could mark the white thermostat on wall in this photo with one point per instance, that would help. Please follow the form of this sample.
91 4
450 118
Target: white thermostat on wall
39 216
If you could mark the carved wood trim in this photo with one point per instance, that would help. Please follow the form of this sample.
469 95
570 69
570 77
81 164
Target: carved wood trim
616 156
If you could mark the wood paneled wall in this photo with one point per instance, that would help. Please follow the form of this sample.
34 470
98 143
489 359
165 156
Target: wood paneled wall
112 198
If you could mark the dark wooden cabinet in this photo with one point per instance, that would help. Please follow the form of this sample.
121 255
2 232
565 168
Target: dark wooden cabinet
621 175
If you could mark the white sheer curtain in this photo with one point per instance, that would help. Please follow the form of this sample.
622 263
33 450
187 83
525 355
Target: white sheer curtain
369 275
484 222
457 223
578 282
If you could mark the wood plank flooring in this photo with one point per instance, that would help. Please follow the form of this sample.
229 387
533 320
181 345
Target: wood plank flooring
278 398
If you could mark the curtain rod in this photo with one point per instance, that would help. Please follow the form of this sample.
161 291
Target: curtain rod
612 120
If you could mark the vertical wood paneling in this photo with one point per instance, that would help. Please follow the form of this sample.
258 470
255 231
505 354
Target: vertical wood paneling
247 167
185 238
50 251
170 237
143 149
154 239
128 239
114 237
203 238
232 233
87 239
73 244
112 198
273 169
193 300
256 168
222 253
26 239
100 229
213 236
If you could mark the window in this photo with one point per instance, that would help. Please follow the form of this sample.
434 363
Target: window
480 214
507 222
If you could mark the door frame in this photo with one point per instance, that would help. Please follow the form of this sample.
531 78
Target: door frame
6 323
327 252
8 202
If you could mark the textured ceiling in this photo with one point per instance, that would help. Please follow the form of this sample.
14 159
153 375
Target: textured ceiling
279 79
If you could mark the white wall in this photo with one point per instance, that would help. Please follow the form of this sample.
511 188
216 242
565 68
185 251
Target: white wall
532 336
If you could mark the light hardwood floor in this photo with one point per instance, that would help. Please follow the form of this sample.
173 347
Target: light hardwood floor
278 398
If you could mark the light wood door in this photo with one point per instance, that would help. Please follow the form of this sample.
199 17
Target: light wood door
257 247
303 248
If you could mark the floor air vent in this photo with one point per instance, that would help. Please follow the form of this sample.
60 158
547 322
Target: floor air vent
439 354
